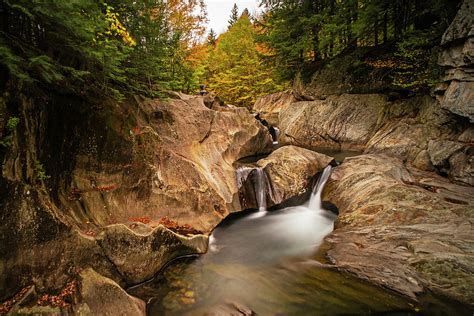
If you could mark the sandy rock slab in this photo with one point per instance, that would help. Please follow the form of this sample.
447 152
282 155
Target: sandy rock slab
401 228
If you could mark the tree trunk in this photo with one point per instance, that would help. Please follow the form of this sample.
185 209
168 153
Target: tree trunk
385 22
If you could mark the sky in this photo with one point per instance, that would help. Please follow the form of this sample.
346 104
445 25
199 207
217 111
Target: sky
218 12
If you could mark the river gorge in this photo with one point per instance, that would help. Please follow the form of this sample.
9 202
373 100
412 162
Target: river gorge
330 198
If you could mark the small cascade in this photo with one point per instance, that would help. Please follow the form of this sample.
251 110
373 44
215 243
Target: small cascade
261 190
255 179
315 202
242 174
276 136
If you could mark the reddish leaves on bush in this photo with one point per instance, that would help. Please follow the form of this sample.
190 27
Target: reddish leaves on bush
180 229
144 220
59 300
90 233
136 130
107 188
7 305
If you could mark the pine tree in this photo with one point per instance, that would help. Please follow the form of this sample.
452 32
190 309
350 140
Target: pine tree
234 15
211 38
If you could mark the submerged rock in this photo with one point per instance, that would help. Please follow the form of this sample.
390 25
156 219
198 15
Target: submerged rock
401 228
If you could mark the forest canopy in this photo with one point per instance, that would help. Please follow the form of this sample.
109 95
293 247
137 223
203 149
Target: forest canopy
117 47
93 46
306 33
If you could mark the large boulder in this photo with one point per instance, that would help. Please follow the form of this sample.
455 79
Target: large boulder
286 173
349 120
430 139
140 253
403 229
291 169
175 160
374 124
268 107
99 295
457 58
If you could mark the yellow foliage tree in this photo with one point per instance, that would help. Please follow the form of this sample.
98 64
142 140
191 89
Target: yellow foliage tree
236 71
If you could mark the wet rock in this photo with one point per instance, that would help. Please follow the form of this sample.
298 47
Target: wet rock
102 296
139 256
136 161
401 228
286 174
268 107
290 170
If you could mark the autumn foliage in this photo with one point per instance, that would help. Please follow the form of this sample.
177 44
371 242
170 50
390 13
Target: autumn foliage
180 229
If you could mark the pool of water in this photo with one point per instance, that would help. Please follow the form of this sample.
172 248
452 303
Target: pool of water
265 263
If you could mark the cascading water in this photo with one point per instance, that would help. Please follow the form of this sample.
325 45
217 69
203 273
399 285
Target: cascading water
261 190
258 180
277 135
315 202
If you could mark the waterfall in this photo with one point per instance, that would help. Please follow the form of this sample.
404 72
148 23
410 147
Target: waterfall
277 135
258 180
261 190
242 175
315 202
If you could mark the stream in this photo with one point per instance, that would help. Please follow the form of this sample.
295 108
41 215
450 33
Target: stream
266 263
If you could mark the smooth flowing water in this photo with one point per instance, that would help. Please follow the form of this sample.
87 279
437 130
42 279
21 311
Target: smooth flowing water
265 264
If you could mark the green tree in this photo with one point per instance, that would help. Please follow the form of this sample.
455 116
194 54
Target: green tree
211 38
234 15
236 71
122 46
302 33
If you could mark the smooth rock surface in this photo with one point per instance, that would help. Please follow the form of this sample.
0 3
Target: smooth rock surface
349 119
291 169
401 228
139 256
129 163
177 162
102 296
269 106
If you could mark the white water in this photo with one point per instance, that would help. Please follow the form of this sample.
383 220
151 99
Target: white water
277 135
315 201
261 190
248 256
